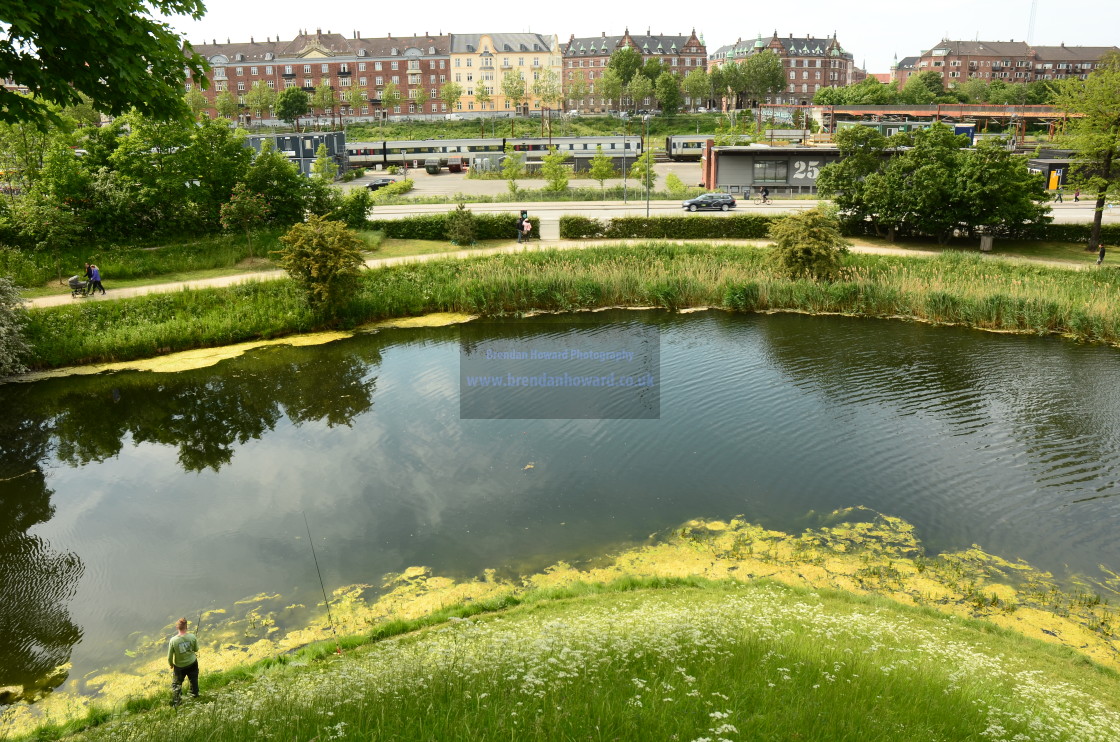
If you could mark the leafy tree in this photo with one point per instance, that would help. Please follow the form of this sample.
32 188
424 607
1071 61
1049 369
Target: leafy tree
273 176
353 97
555 169
668 92
513 88
196 102
353 208
226 105
1095 135
923 88
482 98
261 98
13 318
214 160
675 185
116 54
547 88
643 172
639 89
390 98
324 98
870 92
996 192
602 168
324 166
829 96
512 167
576 90
291 104
324 258
625 62
862 152
610 86
461 227
652 69
763 75
808 244
697 86
246 211
734 77
450 93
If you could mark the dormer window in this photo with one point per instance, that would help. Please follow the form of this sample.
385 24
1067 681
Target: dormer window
268 56
361 52
431 50
393 51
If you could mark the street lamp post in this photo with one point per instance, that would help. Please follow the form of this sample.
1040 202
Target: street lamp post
625 147
645 172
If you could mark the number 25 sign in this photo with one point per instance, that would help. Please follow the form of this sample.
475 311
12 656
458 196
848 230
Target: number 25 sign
806 169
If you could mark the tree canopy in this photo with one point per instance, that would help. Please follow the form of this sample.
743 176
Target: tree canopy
626 62
113 52
928 184
1095 135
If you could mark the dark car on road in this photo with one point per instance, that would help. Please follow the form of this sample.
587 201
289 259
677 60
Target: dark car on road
721 201
377 183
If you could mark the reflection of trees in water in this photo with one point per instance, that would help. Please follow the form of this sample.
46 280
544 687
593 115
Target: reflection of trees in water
36 582
205 413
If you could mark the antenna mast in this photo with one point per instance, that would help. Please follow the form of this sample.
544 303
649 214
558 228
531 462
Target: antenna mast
1030 24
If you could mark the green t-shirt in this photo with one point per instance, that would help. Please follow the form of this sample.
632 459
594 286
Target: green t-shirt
181 649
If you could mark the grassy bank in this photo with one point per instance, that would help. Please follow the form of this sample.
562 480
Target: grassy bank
951 288
693 660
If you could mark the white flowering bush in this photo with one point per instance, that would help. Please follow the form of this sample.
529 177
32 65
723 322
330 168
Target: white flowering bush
750 662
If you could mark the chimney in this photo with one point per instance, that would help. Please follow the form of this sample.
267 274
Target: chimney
251 40
214 42
604 35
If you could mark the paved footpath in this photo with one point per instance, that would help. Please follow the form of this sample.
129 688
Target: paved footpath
513 247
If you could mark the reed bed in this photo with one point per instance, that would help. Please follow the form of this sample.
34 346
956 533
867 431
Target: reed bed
952 288
727 662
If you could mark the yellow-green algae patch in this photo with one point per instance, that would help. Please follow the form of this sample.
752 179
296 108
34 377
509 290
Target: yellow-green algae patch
188 360
435 319
859 551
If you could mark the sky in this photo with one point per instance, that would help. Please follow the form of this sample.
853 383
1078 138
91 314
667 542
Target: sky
874 31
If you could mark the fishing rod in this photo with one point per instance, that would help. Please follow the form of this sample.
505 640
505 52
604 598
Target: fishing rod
337 645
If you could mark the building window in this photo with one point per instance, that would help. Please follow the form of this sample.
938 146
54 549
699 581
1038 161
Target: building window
470 62
268 70
361 66
289 83
240 87
188 87
442 79
308 82
414 64
220 86
362 81
344 82
379 81
272 84
396 80
325 69
252 70
394 64
441 64
771 171
521 61
307 69
240 71
342 68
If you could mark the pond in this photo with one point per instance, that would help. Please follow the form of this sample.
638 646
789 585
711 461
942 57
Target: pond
132 498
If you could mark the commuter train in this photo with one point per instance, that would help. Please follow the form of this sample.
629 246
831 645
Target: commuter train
691 146
417 152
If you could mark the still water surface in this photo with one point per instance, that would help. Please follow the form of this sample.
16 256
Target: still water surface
130 499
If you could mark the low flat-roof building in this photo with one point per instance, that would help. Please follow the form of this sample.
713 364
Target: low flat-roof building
742 170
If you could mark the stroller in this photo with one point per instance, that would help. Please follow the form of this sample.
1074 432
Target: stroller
77 286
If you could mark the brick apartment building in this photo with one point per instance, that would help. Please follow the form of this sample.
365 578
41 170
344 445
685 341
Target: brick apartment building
809 64
417 65
587 58
1009 61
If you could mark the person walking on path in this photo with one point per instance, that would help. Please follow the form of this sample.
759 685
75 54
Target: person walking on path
182 656
1058 195
95 279
1077 195
521 225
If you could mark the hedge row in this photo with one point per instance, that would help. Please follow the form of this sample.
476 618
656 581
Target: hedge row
740 226
756 226
434 227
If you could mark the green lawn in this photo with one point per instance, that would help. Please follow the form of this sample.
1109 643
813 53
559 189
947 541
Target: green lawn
1070 252
665 660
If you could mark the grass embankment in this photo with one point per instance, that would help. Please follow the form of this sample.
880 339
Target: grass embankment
951 288
700 661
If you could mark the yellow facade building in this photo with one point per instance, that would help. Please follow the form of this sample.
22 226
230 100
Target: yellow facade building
485 60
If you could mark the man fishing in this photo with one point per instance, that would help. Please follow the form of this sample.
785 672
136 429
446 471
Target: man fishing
182 651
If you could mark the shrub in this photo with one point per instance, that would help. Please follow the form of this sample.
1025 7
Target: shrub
13 345
460 226
399 188
434 227
675 185
808 244
353 208
324 258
